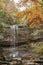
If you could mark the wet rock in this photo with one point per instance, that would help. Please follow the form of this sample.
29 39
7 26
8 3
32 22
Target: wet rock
36 34
1 37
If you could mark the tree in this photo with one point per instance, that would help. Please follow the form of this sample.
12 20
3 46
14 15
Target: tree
7 13
34 14
11 10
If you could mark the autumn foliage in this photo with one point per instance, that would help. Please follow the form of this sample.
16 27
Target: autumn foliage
34 15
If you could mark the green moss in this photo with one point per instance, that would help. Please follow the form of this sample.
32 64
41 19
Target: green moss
38 49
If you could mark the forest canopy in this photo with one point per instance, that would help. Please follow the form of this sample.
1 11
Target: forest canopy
31 15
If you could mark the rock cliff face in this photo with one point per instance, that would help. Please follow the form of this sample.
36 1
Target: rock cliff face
9 53
36 34
21 33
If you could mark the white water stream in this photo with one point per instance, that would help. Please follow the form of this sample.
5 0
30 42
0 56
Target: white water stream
14 30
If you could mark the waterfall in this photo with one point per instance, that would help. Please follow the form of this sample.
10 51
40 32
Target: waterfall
14 31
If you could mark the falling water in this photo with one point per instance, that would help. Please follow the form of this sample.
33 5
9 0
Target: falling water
14 30
13 33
